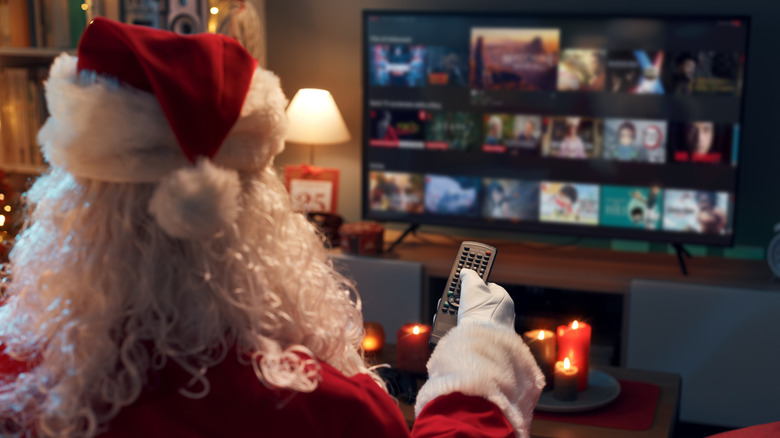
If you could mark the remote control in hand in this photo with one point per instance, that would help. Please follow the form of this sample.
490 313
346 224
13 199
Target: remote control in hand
471 255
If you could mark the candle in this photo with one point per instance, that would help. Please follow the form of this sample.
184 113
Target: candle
412 349
542 346
565 386
574 343
374 339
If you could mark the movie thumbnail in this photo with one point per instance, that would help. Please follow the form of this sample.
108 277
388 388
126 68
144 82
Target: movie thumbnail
705 73
397 129
582 70
631 207
447 66
400 65
572 137
635 140
514 59
697 212
451 195
569 203
718 73
517 134
510 199
681 73
452 130
635 72
395 192
701 141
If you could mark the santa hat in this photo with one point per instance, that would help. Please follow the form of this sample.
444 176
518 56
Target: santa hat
187 113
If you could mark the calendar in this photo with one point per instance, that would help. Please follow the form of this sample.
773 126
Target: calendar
312 189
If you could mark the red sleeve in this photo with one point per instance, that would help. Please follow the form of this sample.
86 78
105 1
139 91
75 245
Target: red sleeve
376 415
10 368
460 415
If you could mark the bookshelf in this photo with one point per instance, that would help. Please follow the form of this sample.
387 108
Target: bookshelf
32 34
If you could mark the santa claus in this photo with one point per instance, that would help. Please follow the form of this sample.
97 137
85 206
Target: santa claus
163 286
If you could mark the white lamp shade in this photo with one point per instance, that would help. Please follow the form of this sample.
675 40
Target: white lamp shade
314 118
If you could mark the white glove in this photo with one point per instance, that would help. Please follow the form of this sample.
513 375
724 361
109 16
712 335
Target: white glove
485 303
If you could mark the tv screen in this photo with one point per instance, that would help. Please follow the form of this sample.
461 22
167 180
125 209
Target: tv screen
610 126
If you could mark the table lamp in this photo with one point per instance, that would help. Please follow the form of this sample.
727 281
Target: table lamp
315 119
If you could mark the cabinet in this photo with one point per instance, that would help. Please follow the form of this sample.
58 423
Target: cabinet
551 284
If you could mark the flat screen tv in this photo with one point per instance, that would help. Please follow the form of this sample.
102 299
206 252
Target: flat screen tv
607 126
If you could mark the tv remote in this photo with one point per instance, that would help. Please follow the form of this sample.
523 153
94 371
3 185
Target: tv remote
472 255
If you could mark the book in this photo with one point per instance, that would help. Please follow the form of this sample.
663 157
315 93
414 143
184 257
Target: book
56 29
18 78
5 133
5 24
19 23
103 8
35 11
77 20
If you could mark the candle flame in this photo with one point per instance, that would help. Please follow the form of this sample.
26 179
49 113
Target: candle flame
575 324
566 364
369 343
416 330
541 334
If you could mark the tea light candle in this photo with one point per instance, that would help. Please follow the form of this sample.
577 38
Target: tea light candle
565 387
574 343
374 339
412 349
542 346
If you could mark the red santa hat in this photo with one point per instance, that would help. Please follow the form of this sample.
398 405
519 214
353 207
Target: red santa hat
187 113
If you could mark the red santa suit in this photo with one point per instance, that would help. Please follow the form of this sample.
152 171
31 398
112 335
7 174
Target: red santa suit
468 402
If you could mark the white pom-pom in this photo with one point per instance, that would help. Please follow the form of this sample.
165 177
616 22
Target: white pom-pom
196 201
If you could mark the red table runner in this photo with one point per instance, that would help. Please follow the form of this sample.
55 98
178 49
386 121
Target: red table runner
633 409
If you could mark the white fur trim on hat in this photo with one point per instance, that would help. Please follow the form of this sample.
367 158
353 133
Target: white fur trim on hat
103 130
196 201
490 362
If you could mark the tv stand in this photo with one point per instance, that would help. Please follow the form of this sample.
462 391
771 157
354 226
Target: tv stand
577 267
681 251
412 228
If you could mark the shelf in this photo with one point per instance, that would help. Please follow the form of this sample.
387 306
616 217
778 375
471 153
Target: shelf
29 56
28 169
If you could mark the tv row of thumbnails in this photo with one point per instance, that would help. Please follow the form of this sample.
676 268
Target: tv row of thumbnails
639 140
647 208
531 59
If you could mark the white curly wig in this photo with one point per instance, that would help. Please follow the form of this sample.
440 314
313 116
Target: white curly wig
103 293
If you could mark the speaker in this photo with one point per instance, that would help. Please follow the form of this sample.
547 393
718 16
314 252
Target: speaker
143 12
187 17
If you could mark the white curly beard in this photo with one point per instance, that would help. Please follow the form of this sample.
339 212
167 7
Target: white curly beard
101 295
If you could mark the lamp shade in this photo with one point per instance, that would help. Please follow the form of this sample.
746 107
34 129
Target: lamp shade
314 118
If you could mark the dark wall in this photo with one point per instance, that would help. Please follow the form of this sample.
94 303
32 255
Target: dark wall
315 43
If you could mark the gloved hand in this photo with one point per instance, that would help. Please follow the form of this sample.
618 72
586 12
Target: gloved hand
486 303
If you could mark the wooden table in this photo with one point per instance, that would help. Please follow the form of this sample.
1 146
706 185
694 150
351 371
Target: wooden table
665 414
663 424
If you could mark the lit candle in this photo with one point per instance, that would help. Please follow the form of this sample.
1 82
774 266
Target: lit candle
412 349
565 387
574 343
374 339
542 346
